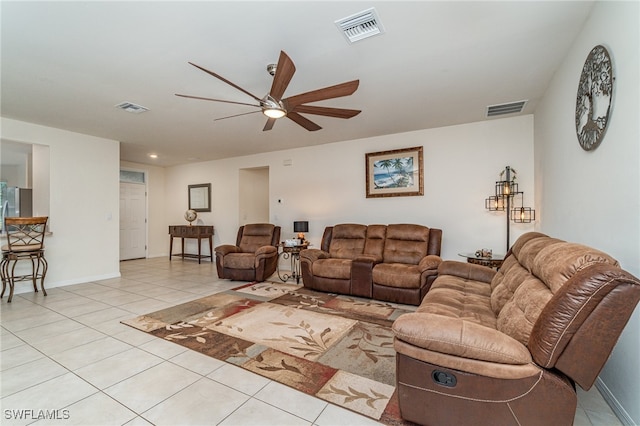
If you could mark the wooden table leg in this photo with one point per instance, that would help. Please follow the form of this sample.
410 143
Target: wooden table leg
170 246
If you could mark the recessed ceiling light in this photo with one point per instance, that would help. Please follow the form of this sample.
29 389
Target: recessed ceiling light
153 155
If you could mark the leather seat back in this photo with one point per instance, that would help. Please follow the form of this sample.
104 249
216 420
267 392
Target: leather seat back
347 241
406 243
548 292
374 245
253 236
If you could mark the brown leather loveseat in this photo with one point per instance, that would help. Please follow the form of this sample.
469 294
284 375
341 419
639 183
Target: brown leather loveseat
508 347
394 263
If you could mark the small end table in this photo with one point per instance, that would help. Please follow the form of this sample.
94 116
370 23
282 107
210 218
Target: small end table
293 254
495 261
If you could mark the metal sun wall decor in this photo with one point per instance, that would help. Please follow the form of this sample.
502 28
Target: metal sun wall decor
594 98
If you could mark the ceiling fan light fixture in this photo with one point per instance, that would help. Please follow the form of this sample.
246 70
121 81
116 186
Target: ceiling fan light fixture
272 108
274 112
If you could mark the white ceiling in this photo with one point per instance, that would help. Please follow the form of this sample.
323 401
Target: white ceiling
66 64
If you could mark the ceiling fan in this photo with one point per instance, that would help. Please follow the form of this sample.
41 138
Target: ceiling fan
274 106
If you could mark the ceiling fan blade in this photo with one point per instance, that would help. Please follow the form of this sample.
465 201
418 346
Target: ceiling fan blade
219 77
307 124
236 115
337 91
269 124
326 111
284 73
217 100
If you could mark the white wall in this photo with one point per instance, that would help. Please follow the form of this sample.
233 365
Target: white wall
325 185
594 197
83 195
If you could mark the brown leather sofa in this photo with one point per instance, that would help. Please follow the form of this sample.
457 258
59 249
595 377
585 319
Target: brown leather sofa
255 255
394 263
508 347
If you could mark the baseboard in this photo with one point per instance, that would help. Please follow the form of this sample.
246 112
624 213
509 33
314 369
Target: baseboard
27 287
617 408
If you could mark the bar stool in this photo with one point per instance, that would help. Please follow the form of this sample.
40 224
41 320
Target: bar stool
25 241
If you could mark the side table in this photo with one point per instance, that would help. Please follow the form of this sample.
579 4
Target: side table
198 232
293 254
495 261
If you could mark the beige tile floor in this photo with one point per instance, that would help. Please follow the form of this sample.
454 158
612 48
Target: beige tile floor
69 352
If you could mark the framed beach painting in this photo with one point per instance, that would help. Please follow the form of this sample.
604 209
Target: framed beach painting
395 173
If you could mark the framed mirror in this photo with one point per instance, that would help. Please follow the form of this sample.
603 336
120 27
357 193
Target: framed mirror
200 197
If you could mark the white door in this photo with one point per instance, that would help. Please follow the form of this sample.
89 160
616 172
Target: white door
133 215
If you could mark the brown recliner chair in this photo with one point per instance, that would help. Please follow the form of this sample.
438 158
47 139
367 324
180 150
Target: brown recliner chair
508 347
255 255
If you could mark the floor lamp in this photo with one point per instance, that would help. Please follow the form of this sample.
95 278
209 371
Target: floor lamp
506 190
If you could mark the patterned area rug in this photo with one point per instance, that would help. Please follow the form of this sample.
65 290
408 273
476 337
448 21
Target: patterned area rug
338 348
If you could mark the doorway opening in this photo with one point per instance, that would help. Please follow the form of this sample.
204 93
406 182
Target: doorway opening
254 195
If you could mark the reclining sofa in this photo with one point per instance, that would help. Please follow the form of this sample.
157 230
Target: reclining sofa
394 263
508 347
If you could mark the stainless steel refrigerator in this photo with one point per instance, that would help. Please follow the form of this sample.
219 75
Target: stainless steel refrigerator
18 202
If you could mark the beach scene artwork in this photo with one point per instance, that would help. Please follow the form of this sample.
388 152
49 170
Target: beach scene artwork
398 172
393 173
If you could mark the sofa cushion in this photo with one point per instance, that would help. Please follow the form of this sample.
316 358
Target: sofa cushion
240 261
463 299
397 275
255 236
406 243
347 241
332 268
458 337
374 244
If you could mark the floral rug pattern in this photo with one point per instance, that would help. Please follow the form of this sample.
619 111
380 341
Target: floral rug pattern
337 348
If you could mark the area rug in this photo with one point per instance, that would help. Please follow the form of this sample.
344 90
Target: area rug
337 348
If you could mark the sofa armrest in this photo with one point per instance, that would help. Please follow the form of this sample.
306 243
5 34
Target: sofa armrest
225 249
266 250
469 271
368 258
264 253
430 262
457 337
311 255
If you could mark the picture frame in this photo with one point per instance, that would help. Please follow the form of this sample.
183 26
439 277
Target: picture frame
200 197
395 173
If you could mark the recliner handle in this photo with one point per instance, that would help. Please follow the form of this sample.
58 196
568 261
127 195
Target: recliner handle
443 378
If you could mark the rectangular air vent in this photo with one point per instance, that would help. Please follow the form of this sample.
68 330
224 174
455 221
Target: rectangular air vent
129 107
361 25
510 108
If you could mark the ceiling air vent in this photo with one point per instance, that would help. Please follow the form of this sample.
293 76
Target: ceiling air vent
502 109
361 25
129 107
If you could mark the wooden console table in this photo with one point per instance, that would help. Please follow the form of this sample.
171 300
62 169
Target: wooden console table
198 232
